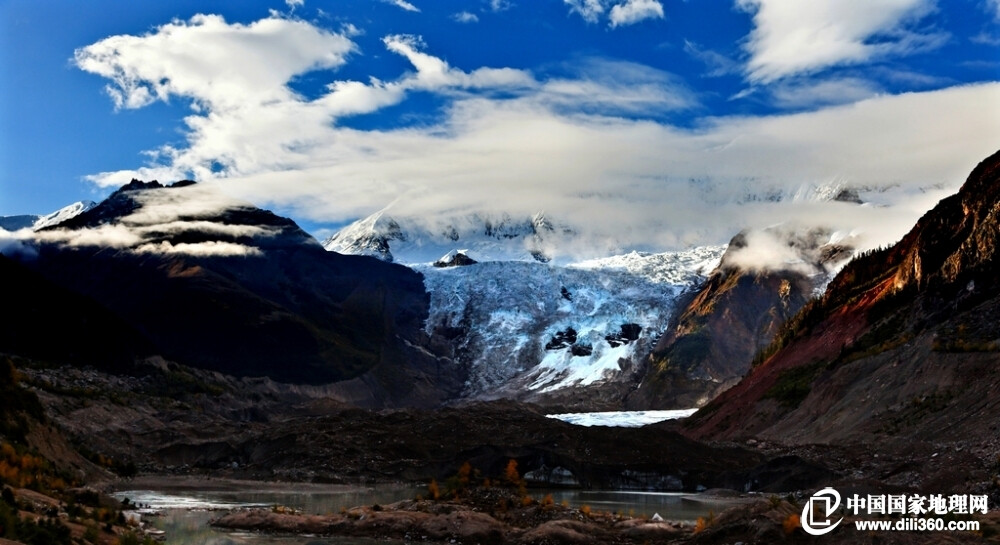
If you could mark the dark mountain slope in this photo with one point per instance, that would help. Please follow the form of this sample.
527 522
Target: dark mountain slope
229 287
48 322
903 344
710 345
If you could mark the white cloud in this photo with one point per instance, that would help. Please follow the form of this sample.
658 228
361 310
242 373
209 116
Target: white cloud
220 65
583 148
434 73
590 10
180 205
501 5
826 92
634 11
403 4
210 248
647 185
283 133
986 38
349 30
767 250
911 78
203 227
292 4
625 12
717 63
109 236
17 243
615 88
993 8
465 17
792 37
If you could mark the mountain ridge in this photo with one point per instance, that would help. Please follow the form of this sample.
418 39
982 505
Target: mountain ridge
482 236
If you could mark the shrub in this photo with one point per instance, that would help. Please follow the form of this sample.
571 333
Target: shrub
547 501
511 474
704 522
464 473
793 385
791 523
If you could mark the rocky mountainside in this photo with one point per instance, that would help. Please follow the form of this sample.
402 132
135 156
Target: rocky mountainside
903 346
221 285
721 326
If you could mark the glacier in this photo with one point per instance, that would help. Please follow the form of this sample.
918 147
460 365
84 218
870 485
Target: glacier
508 311
622 419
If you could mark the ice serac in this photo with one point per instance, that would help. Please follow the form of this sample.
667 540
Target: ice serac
735 313
905 342
222 285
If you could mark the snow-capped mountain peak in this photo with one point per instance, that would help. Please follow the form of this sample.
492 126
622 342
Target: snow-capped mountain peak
36 222
63 214
488 236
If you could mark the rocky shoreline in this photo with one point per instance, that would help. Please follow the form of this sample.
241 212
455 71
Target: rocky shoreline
474 519
488 516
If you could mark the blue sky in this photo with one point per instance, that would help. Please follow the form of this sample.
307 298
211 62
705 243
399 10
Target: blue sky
329 111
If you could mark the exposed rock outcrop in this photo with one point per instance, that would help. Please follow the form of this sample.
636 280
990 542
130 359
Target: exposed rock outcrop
719 328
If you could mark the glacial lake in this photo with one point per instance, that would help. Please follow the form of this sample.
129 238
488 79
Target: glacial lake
185 513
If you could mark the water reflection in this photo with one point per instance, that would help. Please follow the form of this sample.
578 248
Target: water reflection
185 514
669 505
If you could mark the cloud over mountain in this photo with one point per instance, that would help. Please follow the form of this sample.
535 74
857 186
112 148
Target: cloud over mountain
593 145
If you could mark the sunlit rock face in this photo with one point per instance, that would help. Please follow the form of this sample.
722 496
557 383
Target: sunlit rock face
900 346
